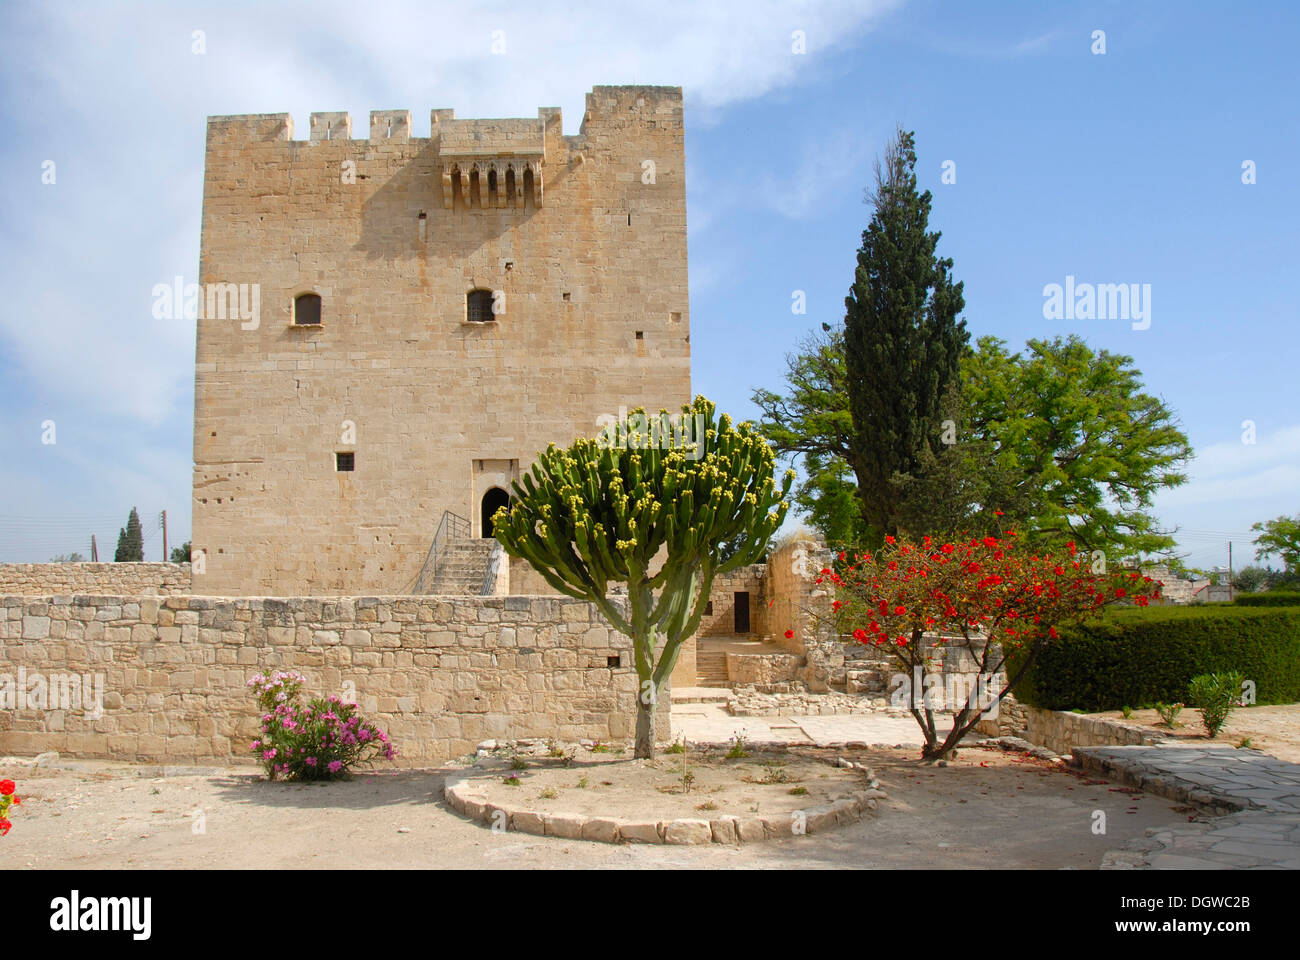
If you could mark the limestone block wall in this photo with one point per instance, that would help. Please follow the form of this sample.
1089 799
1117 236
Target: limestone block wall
581 240
800 604
439 675
722 620
142 579
1061 731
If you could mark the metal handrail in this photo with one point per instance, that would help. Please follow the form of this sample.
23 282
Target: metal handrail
494 564
451 526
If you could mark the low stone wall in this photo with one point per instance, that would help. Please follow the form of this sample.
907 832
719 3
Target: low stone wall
1061 732
764 668
438 674
112 579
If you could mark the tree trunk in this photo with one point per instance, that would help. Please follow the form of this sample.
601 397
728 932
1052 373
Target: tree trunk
645 729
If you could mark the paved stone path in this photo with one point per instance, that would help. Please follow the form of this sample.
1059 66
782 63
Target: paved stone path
709 722
1259 795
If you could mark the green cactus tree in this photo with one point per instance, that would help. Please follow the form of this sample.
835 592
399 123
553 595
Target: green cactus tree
648 503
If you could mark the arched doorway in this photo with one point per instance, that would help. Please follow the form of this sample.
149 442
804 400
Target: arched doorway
494 498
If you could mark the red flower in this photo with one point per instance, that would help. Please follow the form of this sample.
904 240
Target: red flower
947 548
900 610
4 826
1120 591
6 787
889 539
836 605
1059 571
789 634
860 635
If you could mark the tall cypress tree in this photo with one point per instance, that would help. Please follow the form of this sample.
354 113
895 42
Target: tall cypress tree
130 541
902 338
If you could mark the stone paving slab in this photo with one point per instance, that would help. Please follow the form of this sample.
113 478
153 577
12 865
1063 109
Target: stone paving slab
711 723
1232 778
1259 793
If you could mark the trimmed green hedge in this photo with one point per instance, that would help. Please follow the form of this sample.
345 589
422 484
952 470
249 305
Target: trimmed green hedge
1270 598
1136 657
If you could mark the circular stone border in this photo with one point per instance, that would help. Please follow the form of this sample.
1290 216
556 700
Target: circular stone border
848 808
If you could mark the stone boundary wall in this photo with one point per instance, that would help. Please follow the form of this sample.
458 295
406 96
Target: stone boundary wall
1060 731
764 668
113 579
439 675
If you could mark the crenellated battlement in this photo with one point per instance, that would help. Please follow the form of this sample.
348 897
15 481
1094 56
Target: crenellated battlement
437 305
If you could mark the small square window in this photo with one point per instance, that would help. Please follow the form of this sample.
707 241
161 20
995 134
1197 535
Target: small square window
708 609
345 461
614 661
640 334
565 296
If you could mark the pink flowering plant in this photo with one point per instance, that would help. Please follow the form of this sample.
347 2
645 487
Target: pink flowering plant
317 740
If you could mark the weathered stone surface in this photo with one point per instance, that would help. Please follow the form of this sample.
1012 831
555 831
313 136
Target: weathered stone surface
566 825
435 707
100 579
602 829
527 822
724 830
688 832
640 831
560 231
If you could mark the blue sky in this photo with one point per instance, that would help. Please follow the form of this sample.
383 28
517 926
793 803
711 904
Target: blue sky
1124 167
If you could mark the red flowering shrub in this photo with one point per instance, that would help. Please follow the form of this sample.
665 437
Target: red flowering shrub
7 799
987 597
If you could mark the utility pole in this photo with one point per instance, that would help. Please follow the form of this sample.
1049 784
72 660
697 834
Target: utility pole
164 526
1229 571
94 550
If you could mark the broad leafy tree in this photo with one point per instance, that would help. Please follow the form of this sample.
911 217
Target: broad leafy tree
1081 448
658 509
1279 538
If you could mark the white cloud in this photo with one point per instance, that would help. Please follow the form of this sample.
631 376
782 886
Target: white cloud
119 100
1233 471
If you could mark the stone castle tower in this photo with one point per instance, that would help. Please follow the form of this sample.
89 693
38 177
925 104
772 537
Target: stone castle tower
420 317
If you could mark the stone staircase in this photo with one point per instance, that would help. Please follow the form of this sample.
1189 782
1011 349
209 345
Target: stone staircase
711 668
462 568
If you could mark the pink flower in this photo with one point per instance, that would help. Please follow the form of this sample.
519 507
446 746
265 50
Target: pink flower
335 766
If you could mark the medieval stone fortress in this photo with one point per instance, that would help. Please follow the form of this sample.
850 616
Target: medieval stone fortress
434 312
455 578
390 330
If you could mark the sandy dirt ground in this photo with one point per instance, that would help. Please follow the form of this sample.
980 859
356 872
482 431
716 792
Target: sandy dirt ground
760 783
1274 730
986 809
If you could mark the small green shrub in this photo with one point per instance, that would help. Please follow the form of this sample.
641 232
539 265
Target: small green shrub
1215 694
738 749
1169 714
678 747
1126 712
